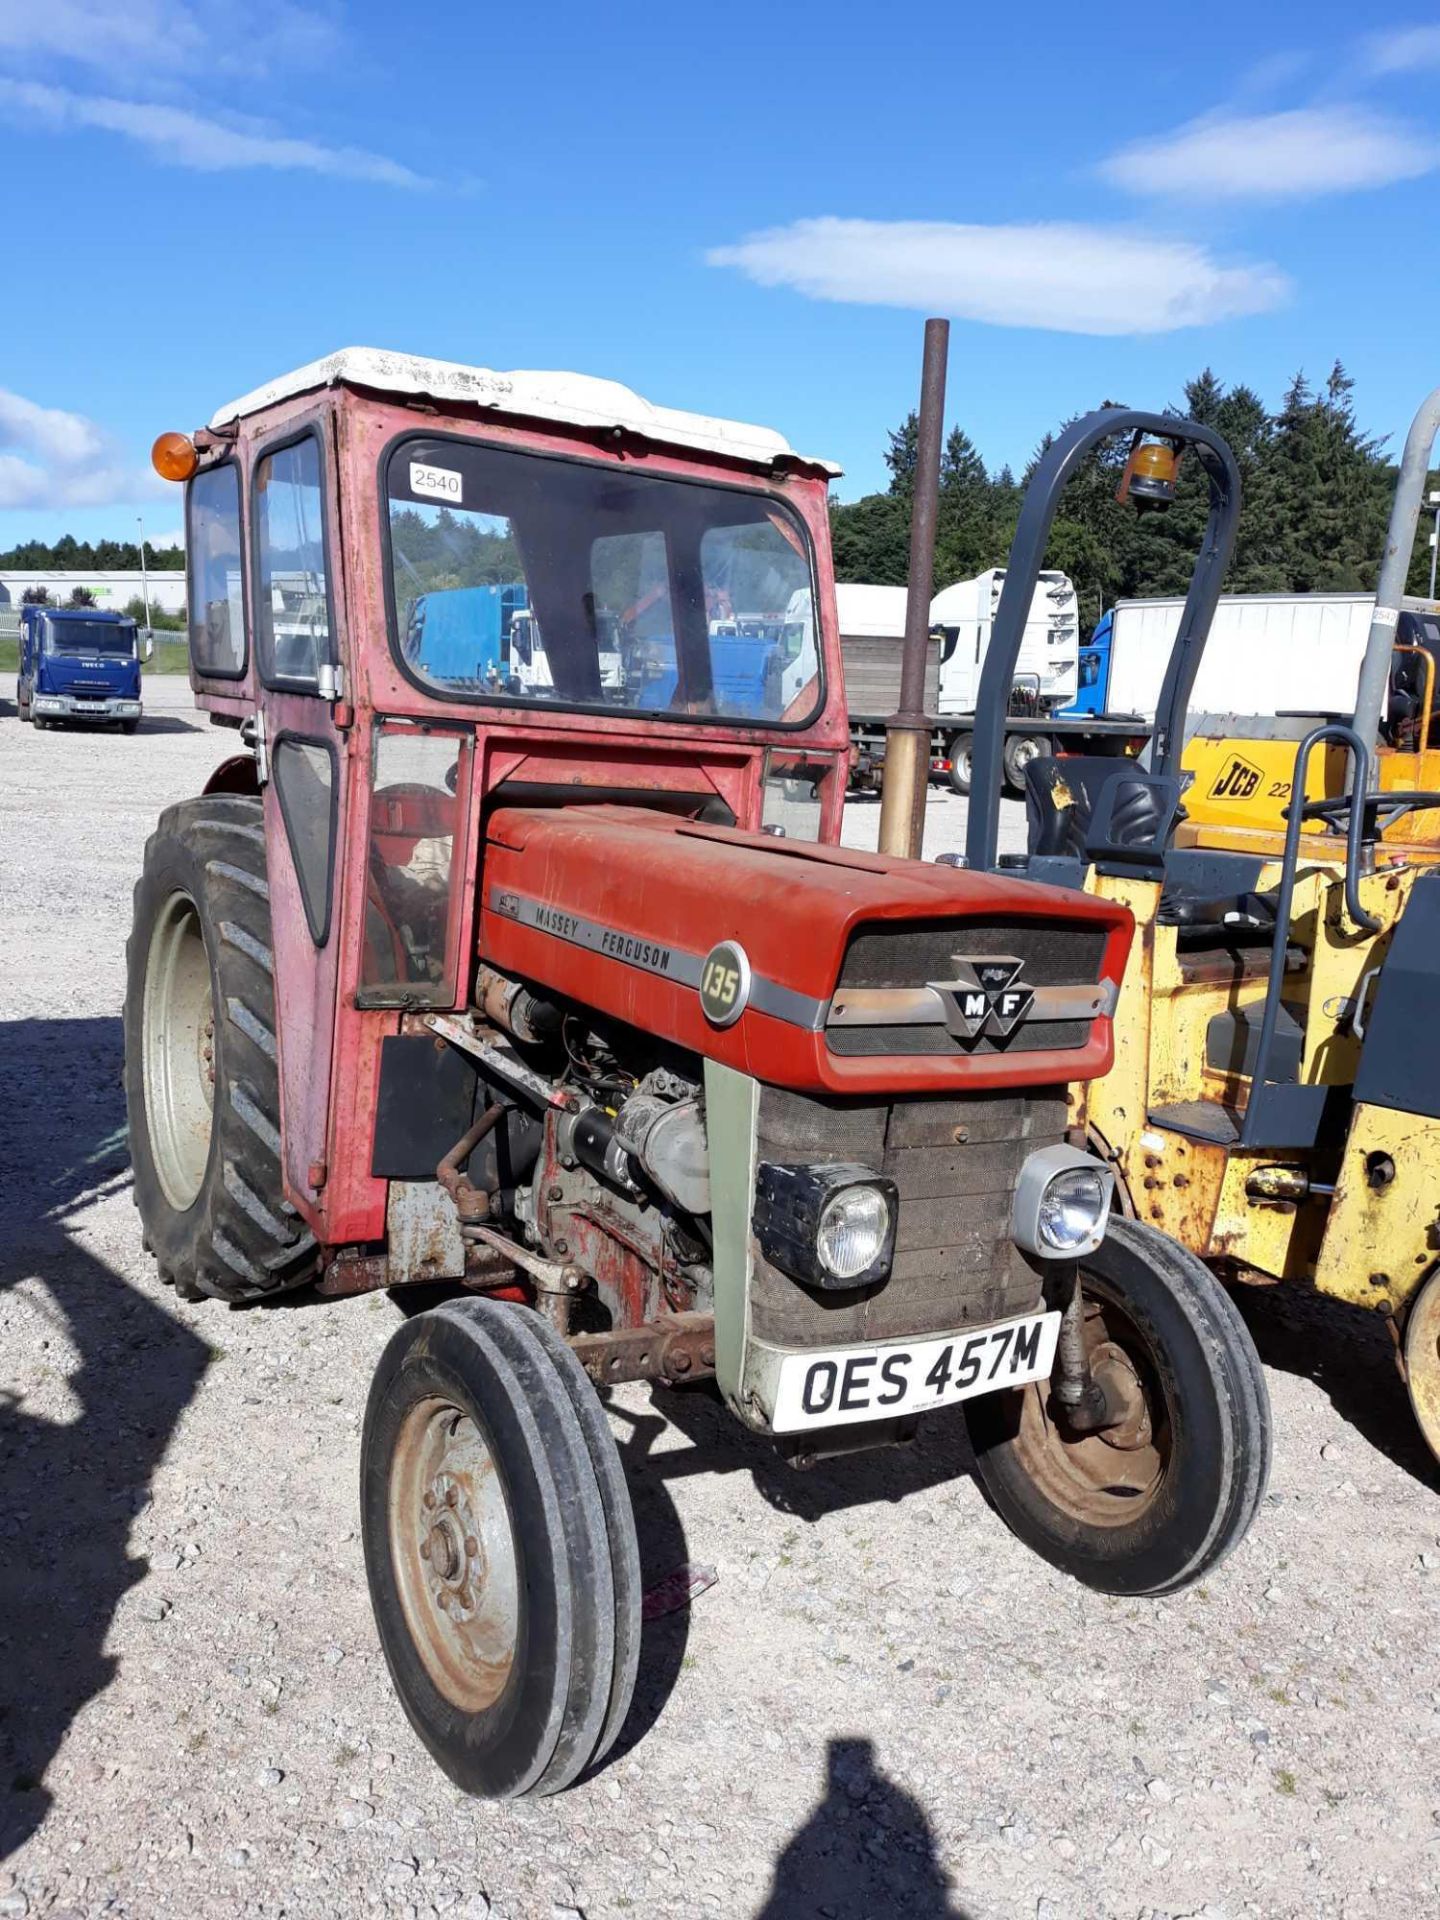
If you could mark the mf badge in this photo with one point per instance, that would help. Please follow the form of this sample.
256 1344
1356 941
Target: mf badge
986 998
724 983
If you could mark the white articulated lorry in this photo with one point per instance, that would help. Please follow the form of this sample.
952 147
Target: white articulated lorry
872 623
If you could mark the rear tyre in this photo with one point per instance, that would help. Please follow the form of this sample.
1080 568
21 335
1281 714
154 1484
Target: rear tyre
1422 1360
961 755
1157 1502
201 1077
1020 750
490 1552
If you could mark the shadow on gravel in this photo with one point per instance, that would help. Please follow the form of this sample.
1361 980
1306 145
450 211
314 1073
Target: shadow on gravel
70 1487
939 1453
1350 1356
866 1850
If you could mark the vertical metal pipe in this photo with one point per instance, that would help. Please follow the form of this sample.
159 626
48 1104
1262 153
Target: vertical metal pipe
1394 566
907 734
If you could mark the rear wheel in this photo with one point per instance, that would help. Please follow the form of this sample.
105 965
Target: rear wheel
961 755
201 1076
1153 1503
500 1549
1020 750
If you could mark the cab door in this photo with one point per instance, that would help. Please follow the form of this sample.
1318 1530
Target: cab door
298 618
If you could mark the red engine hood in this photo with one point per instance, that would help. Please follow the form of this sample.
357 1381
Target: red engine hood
617 907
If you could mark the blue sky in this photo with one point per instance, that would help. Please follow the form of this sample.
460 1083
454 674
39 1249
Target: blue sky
745 210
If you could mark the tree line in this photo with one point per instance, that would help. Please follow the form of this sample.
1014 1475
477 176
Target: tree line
1315 493
70 555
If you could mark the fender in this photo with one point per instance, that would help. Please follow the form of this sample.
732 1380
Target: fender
234 775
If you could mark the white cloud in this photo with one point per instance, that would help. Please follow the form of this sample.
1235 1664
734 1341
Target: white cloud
186 139
1404 50
51 458
1309 150
1064 277
168 35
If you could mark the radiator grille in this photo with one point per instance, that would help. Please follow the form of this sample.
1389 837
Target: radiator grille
955 1263
911 955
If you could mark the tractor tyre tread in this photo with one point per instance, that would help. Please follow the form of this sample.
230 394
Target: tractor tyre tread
241 1239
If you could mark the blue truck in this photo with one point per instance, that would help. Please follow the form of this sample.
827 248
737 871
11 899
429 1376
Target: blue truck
77 663
1094 672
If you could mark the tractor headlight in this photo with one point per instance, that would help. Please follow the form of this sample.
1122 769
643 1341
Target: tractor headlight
854 1227
1062 1200
831 1227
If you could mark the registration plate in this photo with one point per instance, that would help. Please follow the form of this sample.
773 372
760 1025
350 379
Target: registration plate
837 1385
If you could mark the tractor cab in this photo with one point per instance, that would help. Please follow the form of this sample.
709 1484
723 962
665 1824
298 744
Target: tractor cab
517 955
1274 1104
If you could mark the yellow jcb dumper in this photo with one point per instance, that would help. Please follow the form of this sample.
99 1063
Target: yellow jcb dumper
1275 1102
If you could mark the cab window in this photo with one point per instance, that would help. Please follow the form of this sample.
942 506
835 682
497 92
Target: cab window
292 593
525 578
216 587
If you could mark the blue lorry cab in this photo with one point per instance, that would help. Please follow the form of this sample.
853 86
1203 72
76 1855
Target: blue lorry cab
77 663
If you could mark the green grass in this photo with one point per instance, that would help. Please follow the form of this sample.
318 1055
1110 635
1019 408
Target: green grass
171 656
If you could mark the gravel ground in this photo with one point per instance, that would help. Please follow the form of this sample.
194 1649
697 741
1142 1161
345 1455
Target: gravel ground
883 1706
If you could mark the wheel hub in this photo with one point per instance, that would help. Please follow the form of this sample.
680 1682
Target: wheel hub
453 1553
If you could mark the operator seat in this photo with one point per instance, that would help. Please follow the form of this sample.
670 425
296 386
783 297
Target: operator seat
1102 810
1109 813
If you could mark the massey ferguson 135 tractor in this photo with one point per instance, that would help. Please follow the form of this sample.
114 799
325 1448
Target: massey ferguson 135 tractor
516 951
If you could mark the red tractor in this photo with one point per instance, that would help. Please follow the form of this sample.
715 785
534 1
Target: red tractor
517 951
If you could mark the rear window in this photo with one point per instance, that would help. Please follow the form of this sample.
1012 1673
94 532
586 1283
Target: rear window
528 579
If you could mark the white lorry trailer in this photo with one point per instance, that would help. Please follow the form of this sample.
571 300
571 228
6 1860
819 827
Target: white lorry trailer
1267 654
872 623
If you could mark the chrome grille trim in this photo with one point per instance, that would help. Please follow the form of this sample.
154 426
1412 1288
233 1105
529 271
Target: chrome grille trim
924 1007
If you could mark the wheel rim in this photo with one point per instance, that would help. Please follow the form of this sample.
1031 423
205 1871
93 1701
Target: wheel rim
452 1546
1113 1478
179 1051
1022 753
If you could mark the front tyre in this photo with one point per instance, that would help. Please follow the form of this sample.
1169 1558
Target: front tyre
1154 1503
500 1549
202 1084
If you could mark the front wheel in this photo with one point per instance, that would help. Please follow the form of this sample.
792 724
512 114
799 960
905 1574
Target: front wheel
1150 1504
500 1549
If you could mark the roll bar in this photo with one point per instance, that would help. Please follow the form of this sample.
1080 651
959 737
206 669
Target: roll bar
1057 465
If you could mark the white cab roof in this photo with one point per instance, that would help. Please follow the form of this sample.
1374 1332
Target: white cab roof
576 399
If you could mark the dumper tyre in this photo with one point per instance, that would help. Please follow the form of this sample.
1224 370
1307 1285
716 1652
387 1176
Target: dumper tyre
202 1085
129 726
1156 1503
490 1552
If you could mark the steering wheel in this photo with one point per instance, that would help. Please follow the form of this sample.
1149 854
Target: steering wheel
1387 808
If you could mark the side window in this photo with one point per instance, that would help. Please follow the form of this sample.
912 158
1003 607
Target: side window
304 776
216 593
791 800
413 818
292 597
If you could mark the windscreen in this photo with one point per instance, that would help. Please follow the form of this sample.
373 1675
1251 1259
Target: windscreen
113 638
518 577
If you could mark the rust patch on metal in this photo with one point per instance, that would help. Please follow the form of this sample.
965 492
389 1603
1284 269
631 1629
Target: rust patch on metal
680 1346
